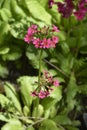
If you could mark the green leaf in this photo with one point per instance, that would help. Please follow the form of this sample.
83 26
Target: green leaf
62 119
3 118
76 123
1 3
26 87
16 10
48 102
72 89
13 125
56 17
3 71
11 94
83 50
43 3
4 100
65 48
71 128
4 28
4 50
83 89
6 4
26 110
37 11
62 36
33 55
38 113
48 125
31 128
56 93
14 53
5 14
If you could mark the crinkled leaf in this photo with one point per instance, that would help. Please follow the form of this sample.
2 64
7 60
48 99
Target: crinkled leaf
26 87
71 128
39 112
13 96
16 10
48 102
31 128
5 14
4 100
3 118
33 55
56 93
13 125
48 125
37 11
62 119
72 89
4 28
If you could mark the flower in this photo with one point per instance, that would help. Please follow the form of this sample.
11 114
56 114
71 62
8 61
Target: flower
56 83
42 37
65 8
42 94
80 13
55 29
34 93
50 3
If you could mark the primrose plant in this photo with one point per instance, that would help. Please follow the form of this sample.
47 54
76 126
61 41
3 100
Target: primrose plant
43 38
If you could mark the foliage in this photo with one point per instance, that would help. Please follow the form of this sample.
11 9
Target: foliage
67 62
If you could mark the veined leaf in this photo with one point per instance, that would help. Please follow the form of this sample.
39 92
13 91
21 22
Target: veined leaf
62 119
17 12
43 2
31 128
48 125
5 14
3 118
72 89
4 100
56 93
13 125
48 102
6 4
37 11
4 28
26 87
71 128
11 94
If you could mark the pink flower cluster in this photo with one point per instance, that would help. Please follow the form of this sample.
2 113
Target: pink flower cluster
65 8
42 38
47 81
68 7
80 13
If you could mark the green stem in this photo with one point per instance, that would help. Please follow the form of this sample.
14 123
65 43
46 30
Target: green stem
39 75
79 38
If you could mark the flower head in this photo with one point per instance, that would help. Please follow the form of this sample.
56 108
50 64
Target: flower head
55 29
42 37
50 3
47 82
65 8
56 83
80 13
42 94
